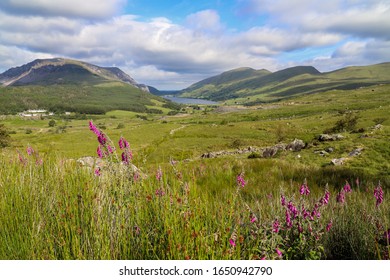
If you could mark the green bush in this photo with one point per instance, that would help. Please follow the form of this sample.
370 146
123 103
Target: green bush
5 139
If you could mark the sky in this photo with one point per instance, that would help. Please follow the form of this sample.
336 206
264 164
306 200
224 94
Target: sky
173 44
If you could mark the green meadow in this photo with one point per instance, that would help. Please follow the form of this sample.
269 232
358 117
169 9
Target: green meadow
180 205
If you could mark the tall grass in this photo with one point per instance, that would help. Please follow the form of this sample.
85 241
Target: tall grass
52 208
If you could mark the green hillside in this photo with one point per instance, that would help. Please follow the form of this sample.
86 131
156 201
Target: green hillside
85 99
263 86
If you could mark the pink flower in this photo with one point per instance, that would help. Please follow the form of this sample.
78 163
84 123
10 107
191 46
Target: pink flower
329 226
292 209
275 226
325 200
305 213
110 149
94 129
288 219
347 188
97 172
300 228
125 158
340 198
304 189
253 219
99 151
123 144
160 192
136 176
283 200
240 180
102 139
278 252
231 241
378 193
29 150
159 174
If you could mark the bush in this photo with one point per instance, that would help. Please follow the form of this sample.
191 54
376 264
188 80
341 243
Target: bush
120 126
347 123
4 136
52 123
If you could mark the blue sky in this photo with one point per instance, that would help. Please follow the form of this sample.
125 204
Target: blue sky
172 44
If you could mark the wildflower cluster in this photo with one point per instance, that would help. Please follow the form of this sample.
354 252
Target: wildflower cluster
302 229
106 148
30 153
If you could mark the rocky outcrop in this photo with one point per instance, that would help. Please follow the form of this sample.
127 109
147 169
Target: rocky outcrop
341 161
330 137
296 145
93 163
268 152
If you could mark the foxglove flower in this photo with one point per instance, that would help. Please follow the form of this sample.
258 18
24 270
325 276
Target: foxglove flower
159 174
340 198
29 150
283 200
240 180
378 193
347 188
94 129
278 252
304 189
275 226
99 151
288 219
102 139
329 226
97 172
123 144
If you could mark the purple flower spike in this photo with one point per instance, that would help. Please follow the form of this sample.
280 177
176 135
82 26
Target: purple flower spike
94 129
304 189
347 188
275 226
378 193
240 180
99 151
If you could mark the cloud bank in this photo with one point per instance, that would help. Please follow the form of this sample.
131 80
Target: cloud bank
173 55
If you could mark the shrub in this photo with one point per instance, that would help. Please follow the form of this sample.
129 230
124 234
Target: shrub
4 136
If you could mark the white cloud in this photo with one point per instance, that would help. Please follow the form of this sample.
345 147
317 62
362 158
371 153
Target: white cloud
205 21
158 51
93 9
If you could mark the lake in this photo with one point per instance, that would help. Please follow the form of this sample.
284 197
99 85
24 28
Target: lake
194 101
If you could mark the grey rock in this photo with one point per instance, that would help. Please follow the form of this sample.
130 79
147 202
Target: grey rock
296 145
338 161
328 137
355 152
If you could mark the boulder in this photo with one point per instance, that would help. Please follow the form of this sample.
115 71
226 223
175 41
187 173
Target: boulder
355 152
272 151
328 137
338 161
296 145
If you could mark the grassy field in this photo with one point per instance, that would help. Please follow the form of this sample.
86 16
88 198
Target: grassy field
227 207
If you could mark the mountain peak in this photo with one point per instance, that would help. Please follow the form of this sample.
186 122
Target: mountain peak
64 71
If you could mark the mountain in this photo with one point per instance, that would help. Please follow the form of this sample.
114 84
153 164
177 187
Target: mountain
250 86
64 71
64 85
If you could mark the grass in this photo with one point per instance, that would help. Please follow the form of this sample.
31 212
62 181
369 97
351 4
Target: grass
59 210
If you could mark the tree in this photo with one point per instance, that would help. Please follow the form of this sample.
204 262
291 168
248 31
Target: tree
5 139
52 123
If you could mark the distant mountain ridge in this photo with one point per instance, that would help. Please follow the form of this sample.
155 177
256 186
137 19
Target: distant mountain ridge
251 86
64 71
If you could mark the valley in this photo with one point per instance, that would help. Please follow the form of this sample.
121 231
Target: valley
211 179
